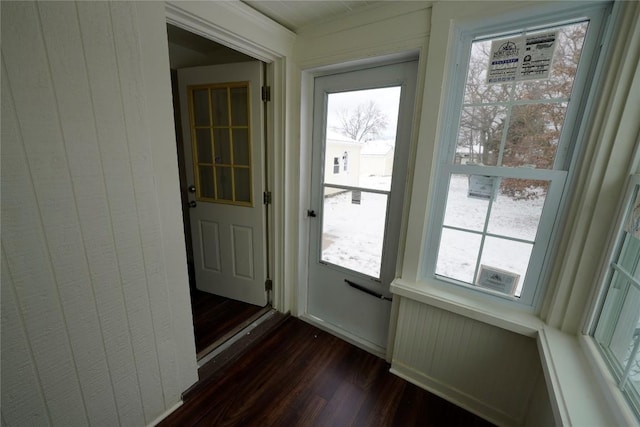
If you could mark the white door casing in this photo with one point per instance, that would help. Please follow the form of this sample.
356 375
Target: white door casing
229 244
332 301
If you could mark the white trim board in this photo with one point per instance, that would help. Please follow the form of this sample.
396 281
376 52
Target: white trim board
227 23
452 395
344 335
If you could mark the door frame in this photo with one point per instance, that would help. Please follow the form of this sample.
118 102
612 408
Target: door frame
275 124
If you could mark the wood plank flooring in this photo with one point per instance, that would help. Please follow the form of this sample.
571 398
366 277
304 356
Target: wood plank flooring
299 375
214 317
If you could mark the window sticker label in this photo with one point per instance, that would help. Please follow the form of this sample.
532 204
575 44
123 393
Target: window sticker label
497 279
482 187
521 58
504 60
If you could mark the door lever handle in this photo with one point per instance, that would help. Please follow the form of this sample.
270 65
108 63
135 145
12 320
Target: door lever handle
367 291
311 213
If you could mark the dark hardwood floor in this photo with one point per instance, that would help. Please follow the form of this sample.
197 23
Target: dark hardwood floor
216 317
301 376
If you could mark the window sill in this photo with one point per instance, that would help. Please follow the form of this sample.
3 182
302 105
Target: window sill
463 303
577 396
615 398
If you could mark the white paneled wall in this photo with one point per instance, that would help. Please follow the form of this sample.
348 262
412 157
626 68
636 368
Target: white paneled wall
88 334
487 370
387 28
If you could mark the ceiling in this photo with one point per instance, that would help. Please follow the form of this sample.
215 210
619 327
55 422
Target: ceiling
190 50
295 14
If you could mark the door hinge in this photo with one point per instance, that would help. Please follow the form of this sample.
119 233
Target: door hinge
268 285
266 197
266 93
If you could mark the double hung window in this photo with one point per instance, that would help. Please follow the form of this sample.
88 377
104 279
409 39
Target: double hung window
509 139
617 330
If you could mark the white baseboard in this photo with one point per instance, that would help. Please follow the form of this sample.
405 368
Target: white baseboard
345 335
454 396
165 414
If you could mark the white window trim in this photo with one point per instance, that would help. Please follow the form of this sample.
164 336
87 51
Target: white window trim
532 293
610 248
611 133
606 382
590 347
610 145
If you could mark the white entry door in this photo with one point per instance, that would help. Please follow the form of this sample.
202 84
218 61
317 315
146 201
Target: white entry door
362 130
222 127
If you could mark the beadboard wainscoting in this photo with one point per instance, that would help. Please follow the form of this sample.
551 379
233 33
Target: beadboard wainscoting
482 368
96 326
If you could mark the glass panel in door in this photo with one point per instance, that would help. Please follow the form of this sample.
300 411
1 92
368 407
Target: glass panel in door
359 151
222 144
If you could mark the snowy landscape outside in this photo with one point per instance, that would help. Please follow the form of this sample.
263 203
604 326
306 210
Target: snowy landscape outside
353 222
510 218
353 234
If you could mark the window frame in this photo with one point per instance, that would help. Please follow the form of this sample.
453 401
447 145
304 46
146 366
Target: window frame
566 157
605 282
336 165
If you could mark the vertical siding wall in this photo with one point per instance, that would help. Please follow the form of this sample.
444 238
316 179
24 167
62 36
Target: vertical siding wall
88 336
485 369
380 30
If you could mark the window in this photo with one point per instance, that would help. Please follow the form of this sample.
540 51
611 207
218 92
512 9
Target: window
221 144
345 161
336 165
617 330
509 137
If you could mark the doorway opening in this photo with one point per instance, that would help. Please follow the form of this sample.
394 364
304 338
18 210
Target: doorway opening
223 167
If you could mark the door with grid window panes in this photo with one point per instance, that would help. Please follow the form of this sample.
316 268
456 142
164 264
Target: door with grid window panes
508 155
221 119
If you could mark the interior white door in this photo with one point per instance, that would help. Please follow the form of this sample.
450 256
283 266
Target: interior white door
357 195
222 126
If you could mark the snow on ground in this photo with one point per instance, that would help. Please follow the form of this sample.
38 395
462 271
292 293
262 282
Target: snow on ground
353 233
510 218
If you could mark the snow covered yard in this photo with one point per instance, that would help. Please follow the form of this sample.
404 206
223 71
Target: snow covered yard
353 233
517 219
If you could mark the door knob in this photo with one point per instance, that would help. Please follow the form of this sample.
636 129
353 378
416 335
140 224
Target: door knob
193 204
192 189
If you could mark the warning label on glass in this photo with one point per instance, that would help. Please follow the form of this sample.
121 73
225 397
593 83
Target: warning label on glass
521 58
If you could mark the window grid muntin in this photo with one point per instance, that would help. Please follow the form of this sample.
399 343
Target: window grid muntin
229 127
484 234
487 234
563 140
618 281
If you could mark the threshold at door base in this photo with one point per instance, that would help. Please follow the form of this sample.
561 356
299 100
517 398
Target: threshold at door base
213 365
205 352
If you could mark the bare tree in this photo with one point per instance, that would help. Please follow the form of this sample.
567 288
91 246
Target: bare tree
362 123
522 135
